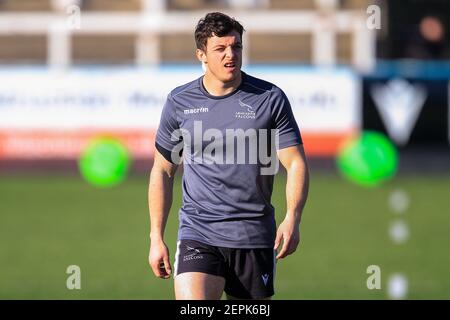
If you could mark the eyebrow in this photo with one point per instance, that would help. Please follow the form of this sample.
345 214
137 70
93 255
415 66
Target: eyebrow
222 45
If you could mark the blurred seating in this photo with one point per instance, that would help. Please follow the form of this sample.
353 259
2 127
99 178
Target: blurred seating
356 4
293 4
264 48
281 48
98 49
23 49
313 4
25 5
344 48
111 5
196 4
177 48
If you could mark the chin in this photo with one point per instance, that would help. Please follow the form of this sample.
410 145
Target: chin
231 76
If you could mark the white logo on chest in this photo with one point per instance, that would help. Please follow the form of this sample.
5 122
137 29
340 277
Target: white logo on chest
249 113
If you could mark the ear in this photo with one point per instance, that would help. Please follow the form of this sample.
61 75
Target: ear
201 55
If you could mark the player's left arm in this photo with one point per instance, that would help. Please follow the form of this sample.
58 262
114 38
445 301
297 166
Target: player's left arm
293 160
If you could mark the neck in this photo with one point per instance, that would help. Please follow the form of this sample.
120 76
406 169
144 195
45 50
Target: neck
216 87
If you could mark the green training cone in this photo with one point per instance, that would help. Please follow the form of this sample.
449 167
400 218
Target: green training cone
368 159
104 162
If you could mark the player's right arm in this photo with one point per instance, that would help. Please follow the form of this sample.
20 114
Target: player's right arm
160 200
160 189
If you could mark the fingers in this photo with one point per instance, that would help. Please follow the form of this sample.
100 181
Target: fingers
167 266
284 249
154 264
160 264
155 269
289 247
161 269
278 240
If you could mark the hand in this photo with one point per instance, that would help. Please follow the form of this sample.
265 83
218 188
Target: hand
288 231
158 259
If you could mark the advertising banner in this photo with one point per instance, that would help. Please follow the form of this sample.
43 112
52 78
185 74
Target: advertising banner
46 114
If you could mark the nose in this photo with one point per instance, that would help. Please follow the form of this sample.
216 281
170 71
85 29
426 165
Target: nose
230 53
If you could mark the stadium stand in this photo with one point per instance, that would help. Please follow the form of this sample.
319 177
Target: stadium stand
173 46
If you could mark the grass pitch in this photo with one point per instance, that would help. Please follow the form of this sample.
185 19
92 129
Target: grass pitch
50 222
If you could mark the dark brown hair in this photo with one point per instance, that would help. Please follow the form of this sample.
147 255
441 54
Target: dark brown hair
215 23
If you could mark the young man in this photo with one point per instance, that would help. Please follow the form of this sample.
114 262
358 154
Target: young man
227 237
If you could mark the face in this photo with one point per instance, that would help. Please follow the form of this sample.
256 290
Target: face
223 56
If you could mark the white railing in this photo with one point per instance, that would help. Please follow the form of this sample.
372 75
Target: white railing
154 19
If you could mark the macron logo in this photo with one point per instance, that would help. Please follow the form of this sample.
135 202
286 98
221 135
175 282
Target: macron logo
265 278
195 110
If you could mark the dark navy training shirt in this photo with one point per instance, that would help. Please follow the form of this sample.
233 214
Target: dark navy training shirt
225 143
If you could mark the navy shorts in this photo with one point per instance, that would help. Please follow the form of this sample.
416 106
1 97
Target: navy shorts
248 273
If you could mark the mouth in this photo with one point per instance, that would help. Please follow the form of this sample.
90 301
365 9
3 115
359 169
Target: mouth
230 66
